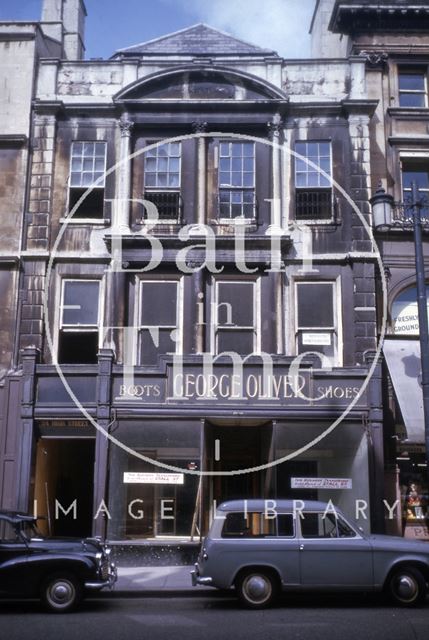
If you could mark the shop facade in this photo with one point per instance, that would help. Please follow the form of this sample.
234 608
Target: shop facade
198 303
145 483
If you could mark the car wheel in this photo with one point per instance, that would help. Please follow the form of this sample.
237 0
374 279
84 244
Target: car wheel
256 589
61 592
407 587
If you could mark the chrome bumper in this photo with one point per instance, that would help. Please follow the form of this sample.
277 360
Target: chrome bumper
197 579
101 584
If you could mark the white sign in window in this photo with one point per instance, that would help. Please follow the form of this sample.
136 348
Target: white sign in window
316 339
321 483
134 477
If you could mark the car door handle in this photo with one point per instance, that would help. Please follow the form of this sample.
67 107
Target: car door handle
301 547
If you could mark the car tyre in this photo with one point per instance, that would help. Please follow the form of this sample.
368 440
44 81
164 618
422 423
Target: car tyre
256 588
407 587
61 592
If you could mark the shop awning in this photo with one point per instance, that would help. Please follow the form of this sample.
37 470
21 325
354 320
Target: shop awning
403 361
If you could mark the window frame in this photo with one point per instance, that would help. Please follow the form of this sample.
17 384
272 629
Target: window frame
309 168
415 158
140 281
338 518
83 328
261 536
231 188
94 187
417 71
336 330
214 325
147 190
80 327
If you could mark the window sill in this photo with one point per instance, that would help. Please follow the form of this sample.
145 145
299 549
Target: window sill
97 222
158 222
319 221
412 111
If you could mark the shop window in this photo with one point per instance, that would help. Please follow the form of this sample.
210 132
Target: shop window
404 313
236 180
149 509
162 179
415 170
316 326
236 317
160 310
412 87
87 169
79 321
313 190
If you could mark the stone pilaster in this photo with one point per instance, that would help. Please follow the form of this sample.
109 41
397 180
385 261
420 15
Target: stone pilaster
41 185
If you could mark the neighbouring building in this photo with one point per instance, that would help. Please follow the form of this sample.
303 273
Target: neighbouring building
22 45
180 336
394 39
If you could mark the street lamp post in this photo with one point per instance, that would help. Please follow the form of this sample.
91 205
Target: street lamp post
382 206
422 310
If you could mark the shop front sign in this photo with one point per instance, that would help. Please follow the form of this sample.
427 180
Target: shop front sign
224 384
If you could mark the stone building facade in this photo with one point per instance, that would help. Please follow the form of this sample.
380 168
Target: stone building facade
198 280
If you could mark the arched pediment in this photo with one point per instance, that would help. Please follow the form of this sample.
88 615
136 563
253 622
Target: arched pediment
200 84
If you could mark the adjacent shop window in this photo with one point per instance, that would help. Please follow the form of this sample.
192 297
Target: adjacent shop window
160 305
405 315
236 180
87 169
313 190
162 170
169 502
415 170
412 87
236 316
79 321
316 326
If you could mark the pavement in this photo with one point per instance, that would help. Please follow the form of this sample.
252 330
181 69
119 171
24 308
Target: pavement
156 580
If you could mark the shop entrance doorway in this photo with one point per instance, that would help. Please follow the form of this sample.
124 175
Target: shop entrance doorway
238 447
64 472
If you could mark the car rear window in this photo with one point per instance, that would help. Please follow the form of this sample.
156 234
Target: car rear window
257 525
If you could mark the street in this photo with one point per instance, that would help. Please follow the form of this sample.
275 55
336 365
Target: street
216 616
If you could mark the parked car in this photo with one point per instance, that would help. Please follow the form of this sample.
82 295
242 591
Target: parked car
61 571
261 547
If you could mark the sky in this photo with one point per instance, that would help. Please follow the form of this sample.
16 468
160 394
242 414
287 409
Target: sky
281 25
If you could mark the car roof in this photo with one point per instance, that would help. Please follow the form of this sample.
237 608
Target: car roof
16 516
276 505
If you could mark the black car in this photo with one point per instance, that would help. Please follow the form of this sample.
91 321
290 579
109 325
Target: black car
60 571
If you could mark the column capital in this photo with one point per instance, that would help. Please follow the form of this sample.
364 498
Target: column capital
125 126
275 126
375 59
199 127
